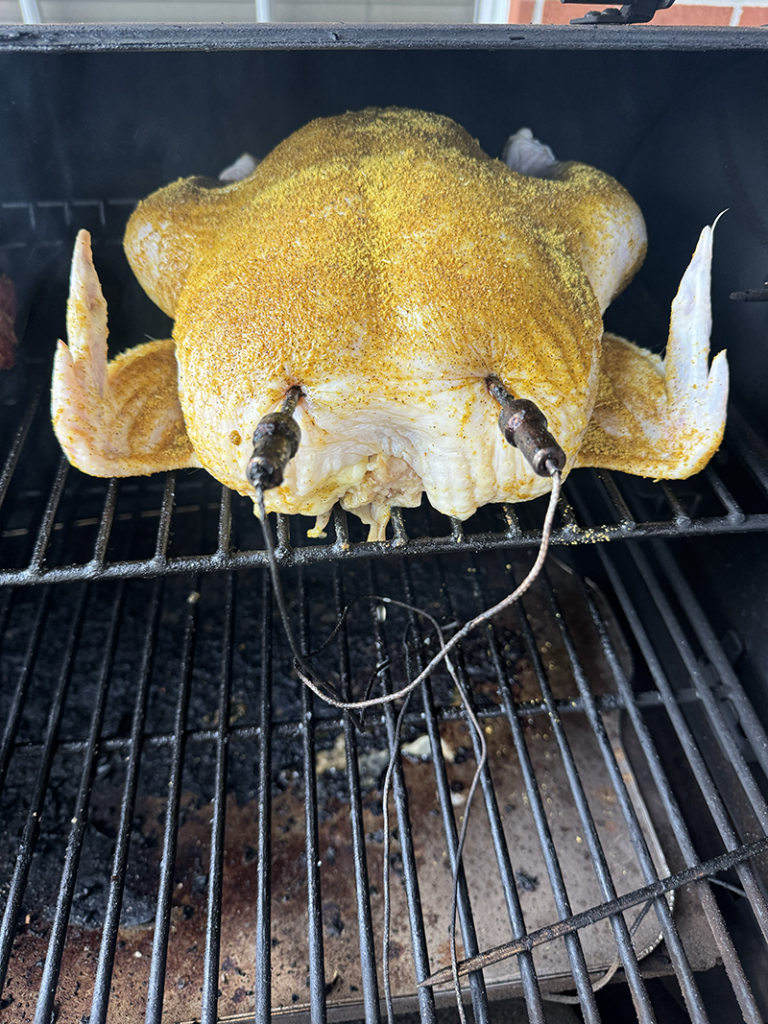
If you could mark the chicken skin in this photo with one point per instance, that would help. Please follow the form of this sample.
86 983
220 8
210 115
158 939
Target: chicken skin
389 268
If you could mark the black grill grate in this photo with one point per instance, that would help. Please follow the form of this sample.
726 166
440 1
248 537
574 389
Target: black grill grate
177 808
186 636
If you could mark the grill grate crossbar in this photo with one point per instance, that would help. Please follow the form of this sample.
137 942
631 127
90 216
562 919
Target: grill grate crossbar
279 730
49 518
615 499
672 883
224 540
17 444
105 526
727 500
160 559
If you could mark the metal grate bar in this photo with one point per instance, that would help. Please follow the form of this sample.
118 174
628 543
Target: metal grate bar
208 1013
263 980
457 530
507 876
364 923
675 947
714 917
105 526
511 898
573 945
640 996
164 525
615 499
224 544
679 514
725 497
722 729
58 931
316 554
341 529
585 918
154 1009
32 825
400 538
695 760
17 444
317 1006
29 207
464 909
49 518
283 532
22 685
410 876
513 523
570 525
102 984
748 719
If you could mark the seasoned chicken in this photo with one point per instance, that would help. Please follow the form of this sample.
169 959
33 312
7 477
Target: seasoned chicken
383 263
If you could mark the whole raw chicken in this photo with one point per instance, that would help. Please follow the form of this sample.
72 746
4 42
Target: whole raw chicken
389 268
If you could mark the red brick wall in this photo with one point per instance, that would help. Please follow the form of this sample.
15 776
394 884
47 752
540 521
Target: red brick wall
683 12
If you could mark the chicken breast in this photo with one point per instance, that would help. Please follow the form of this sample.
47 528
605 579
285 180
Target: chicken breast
389 268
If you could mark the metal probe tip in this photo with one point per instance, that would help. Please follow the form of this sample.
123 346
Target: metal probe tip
275 442
524 426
